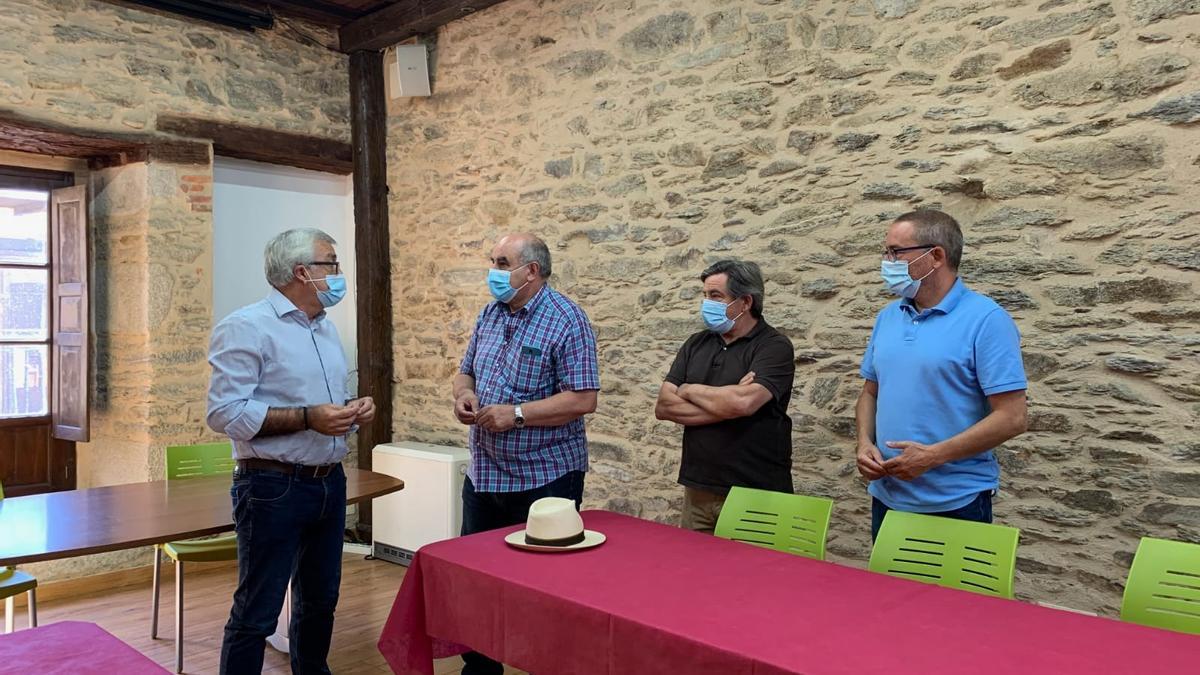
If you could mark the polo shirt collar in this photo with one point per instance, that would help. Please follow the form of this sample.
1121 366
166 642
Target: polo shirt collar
948 303
758 328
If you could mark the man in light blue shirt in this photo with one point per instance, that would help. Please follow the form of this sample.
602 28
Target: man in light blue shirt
278 390
943 383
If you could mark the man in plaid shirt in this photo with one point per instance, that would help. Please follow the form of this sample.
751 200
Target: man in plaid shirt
529 376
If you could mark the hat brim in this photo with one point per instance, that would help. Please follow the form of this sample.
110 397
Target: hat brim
591 539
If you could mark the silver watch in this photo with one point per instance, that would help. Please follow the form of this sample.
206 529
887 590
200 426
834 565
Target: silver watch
519 417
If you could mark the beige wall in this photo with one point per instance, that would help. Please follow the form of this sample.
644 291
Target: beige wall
96 67
644 140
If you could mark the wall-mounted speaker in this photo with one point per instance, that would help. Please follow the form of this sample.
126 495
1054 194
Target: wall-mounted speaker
408 71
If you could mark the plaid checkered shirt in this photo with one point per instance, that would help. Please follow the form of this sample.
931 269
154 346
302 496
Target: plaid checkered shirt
544 348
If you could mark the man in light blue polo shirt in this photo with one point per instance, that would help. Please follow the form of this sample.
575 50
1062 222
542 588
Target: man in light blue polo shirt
943 381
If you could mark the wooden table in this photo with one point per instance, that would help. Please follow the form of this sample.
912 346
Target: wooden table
67 524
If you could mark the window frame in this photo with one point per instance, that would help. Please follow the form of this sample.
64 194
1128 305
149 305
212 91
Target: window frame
61 470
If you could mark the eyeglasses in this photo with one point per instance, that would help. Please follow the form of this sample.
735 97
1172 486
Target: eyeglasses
337 267
890 253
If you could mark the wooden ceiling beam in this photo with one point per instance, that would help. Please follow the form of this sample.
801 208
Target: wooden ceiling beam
264 145
100 149
403 20
326 13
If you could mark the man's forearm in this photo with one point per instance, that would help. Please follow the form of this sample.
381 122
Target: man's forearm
864 417
559 409
462 384
282 421
725 402
672 408
989 432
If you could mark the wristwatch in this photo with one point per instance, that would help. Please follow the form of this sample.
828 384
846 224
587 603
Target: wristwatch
520 417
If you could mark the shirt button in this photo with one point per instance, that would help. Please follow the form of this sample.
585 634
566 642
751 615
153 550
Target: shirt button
914 322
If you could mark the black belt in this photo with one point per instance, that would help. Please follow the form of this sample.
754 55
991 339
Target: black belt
301 470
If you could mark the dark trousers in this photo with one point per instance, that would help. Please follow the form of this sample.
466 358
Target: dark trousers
979 510
484 511
288 527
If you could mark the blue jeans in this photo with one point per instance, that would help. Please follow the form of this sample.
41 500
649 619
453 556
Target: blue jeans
484 511
979 510
288 527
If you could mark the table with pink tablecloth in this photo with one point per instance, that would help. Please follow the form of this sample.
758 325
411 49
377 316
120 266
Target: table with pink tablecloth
71 648
658 599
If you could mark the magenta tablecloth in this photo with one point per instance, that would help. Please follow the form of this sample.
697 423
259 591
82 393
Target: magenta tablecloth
658 599
71 648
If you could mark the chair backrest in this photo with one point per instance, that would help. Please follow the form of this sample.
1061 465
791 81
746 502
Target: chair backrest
206 459
1163 589
978 557
785 522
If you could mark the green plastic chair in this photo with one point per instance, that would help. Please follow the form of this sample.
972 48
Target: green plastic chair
1163 589
12 584
785 522
977 557
183 462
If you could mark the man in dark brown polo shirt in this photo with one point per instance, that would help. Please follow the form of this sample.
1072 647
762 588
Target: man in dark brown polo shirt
730 386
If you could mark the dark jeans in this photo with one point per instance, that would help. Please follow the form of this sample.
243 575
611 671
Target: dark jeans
288 527
484 511
979 510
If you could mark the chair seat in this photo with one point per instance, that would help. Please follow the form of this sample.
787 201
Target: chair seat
216 549
14 581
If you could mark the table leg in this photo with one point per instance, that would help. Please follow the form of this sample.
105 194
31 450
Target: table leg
279 641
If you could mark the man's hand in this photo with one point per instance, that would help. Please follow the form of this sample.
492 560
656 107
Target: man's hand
333 420
870 462
748 378
914 459
496 418
465 407
366 409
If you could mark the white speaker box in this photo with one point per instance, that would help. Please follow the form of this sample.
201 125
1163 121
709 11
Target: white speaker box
408 73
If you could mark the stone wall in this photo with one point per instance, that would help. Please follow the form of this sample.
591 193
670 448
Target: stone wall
107 67
644 140
99 68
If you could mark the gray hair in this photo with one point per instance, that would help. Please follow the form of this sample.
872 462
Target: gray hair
534 250
291 248
935 228
744 278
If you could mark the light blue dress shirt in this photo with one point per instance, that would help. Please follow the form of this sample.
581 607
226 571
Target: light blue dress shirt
269 354
935 370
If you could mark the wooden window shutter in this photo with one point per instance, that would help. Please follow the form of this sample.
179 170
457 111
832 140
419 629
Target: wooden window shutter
70 402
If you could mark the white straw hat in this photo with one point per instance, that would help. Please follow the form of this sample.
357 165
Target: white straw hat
554 525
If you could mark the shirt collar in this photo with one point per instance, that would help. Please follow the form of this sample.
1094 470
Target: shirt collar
532 305
948 303
758 328
283 306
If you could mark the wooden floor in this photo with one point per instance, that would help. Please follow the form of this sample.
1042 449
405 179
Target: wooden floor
368 588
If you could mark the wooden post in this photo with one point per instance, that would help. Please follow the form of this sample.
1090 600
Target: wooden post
372 246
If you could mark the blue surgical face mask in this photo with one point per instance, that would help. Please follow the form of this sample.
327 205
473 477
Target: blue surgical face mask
500 283
715 318
895 274
337 289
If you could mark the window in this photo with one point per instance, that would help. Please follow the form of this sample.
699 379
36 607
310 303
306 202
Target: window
44 329
24 303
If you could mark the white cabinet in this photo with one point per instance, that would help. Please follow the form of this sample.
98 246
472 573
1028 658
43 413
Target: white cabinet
428 509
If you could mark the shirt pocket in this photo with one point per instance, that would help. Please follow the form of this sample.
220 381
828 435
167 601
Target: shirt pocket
531 377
